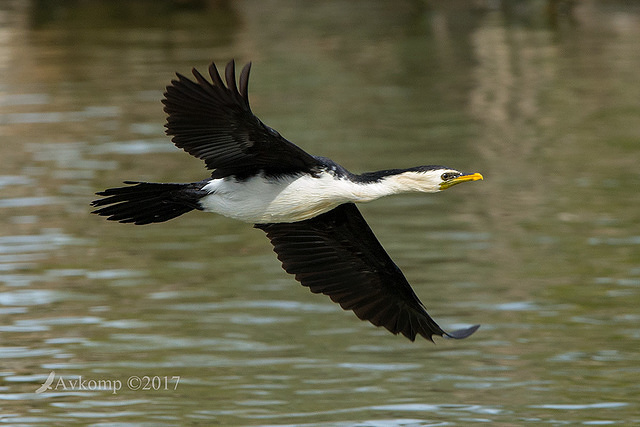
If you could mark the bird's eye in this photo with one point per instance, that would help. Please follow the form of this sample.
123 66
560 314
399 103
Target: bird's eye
449 175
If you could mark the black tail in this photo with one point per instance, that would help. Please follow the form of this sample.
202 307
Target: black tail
147 202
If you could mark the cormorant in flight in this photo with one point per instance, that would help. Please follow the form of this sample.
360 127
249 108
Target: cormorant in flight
305 203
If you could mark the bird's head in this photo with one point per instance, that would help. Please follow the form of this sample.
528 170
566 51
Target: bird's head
431 179
451 177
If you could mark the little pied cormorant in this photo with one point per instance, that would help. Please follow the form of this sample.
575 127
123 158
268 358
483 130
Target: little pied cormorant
305 203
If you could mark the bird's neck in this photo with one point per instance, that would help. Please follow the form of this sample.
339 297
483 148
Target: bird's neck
368 189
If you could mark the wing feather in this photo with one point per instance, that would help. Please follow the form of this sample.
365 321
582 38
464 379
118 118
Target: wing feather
338 255
213 122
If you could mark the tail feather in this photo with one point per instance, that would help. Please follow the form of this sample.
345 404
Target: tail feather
147 202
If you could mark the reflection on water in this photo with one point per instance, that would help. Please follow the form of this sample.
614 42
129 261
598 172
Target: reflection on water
541 97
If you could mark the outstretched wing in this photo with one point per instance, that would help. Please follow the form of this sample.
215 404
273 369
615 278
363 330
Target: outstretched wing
214 122
337 254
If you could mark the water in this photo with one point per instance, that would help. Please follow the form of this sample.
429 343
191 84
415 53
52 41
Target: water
194 322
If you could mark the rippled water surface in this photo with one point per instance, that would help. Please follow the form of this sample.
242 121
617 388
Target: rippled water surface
194 322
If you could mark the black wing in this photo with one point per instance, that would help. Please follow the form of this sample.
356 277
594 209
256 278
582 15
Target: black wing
214 122
337 254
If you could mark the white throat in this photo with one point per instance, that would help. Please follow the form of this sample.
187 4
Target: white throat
407 182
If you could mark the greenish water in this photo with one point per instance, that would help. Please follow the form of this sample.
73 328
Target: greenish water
544 253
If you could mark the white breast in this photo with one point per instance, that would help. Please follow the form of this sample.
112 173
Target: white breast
287 199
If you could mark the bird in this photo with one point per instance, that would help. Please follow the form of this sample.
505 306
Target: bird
305 204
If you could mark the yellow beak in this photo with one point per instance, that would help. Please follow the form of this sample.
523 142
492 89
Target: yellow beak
463 178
